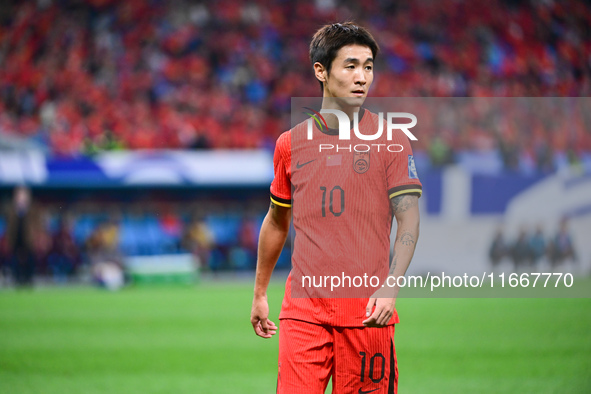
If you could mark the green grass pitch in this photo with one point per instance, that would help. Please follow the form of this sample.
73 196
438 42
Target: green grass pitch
199 340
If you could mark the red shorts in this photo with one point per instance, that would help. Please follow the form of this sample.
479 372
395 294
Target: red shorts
359 360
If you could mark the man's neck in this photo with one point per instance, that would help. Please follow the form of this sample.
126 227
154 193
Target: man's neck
331 103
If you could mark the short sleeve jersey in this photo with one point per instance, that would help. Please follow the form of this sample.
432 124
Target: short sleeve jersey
340 200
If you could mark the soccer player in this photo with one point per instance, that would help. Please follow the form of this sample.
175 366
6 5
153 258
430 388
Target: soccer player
343 203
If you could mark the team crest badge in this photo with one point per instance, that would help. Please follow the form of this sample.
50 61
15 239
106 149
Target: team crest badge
361 162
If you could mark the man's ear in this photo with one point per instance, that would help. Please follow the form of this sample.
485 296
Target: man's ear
320 72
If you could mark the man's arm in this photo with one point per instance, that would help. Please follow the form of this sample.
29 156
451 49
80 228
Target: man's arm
406 211
273 234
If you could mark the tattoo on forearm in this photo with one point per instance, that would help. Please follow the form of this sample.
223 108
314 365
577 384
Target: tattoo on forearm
407 239
393 265
272 205
403 203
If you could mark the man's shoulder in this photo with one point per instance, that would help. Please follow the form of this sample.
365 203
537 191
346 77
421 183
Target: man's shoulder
284 140
284 137
298 130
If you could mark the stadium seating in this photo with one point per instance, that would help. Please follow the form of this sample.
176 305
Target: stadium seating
88 76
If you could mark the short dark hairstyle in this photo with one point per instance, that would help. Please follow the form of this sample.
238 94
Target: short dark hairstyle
330 38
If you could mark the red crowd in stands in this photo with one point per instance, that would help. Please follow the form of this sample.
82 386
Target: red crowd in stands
83 77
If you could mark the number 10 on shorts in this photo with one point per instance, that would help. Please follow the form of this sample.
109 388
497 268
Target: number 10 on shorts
376 358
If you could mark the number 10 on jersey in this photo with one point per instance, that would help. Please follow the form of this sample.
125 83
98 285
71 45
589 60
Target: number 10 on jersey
339 192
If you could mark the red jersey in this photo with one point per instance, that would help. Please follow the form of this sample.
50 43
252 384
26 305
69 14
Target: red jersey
340 199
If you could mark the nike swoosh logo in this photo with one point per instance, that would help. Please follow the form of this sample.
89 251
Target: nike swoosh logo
298 165
365 392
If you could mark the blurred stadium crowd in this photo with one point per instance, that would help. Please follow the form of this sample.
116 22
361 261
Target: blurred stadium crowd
532 249
83 76
46 240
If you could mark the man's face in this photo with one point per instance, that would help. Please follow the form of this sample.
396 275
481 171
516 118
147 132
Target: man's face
351 74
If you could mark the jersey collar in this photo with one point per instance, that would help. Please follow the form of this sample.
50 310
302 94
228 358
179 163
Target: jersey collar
336 131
